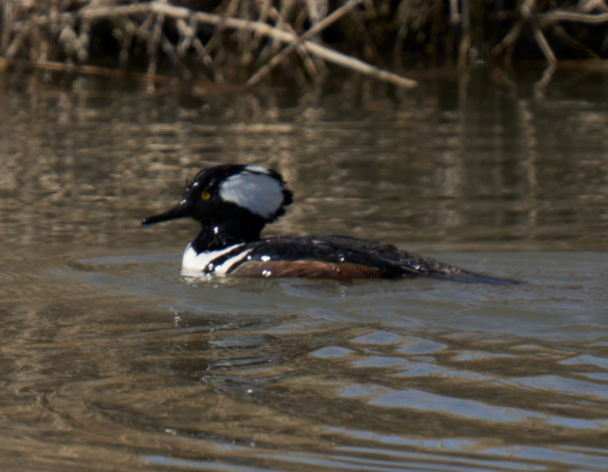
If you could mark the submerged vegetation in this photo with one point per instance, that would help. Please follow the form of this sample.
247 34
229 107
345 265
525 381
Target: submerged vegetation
241 41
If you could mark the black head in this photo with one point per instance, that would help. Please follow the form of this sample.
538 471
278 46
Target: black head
231 198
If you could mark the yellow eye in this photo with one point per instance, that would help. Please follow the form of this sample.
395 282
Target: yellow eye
205 196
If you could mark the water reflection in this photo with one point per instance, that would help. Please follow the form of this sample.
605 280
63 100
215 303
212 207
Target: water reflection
88 161
110 356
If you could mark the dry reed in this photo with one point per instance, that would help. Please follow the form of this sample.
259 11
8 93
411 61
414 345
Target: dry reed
201 39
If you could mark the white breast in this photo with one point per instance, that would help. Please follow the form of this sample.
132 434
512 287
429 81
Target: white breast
196 264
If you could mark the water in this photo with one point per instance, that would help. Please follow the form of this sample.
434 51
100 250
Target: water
110 360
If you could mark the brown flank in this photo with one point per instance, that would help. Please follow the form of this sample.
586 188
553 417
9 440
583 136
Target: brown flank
309 269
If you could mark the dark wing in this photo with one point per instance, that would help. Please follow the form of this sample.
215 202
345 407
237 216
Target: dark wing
418 265
313 257
340 257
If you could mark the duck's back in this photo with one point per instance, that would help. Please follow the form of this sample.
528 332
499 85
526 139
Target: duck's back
338 257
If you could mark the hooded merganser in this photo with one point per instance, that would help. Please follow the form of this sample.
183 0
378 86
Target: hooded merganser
233 203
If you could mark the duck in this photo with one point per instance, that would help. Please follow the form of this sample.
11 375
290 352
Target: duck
234 202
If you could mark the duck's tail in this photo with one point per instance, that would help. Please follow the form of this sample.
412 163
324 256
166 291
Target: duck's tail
468 277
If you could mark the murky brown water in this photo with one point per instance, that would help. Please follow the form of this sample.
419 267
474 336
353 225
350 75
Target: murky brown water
110 360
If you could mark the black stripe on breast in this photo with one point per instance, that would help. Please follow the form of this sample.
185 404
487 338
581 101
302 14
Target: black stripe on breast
218 261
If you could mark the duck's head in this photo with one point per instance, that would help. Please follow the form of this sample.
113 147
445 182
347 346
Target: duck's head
239 197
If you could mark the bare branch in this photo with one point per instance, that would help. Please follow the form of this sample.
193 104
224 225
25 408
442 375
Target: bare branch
318 27
262 28
560 15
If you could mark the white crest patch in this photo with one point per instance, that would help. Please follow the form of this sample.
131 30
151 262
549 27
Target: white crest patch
261 194
258 169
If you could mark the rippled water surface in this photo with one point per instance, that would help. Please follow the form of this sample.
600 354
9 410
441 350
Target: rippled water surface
111 360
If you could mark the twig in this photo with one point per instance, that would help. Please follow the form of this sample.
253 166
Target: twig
17 42
266 5
317 9
509 39
208 61
7 18
244 36
319 26
169 49
201 51
403 12
153 44
264 29
88 70
125 44
69 39
369 47
560 15
107 72
454 13
526 11
82 52
316 49
144 29
544 45
188 33
286 6
541 85
301 17
275 15
465 41
561 32
217 34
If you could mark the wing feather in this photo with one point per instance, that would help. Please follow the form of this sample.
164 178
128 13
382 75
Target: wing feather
340 257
